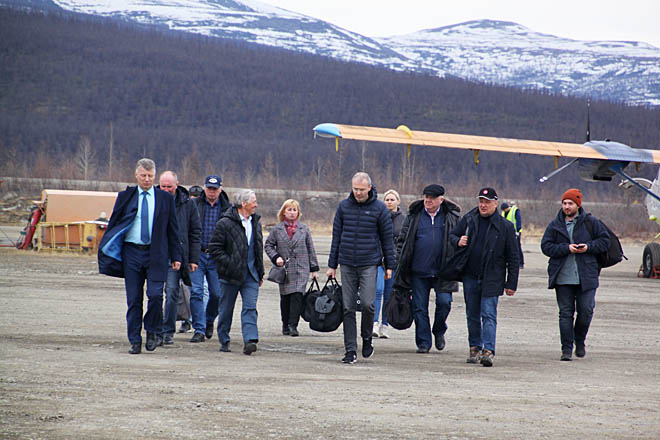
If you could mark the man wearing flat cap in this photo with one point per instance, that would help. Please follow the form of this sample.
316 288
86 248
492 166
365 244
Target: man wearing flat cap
572 240
491 270
422 249
210 206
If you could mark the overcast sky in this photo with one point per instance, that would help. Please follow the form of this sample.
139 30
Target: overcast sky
630 20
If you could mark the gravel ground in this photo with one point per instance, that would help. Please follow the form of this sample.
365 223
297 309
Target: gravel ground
65 372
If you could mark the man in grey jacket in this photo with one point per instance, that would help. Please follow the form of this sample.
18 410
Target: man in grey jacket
361 237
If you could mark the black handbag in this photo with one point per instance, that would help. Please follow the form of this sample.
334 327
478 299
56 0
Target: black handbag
277 274
324 309
398 309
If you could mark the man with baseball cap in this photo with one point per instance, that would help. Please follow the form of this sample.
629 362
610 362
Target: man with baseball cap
573 269
491 270
423 248
210 205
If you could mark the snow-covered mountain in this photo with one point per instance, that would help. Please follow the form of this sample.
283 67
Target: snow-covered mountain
485 50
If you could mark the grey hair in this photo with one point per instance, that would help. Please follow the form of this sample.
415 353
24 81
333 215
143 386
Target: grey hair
172 173
361 176
243 196
145 163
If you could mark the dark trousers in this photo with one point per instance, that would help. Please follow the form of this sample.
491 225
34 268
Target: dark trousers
291 307
569 299
136 263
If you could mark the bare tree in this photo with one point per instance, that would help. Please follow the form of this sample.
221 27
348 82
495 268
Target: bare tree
84 159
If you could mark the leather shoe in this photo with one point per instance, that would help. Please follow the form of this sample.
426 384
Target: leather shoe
580 350
250 347
225 348
422 350
197 337
152 342
135 348
209 330
293 330
168 340
285 330
440 342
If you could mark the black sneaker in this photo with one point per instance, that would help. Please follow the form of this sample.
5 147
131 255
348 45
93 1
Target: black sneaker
168 339
250 347
367 347
566 356
350 357
185 327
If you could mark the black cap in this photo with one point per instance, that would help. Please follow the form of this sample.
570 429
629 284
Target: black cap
213 181
195 190
487 193
504 206
434 190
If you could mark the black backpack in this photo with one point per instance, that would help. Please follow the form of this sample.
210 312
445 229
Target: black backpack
323 309
614 254
398 309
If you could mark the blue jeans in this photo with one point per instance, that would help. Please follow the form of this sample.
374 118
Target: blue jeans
136 263
421 288
249 294
383 289
201 314
172 290
569 299
481 313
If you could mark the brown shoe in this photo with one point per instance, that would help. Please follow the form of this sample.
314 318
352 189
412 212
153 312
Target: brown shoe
473 357
486 358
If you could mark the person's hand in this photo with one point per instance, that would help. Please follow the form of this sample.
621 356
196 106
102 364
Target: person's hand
577 248
388 274
176 265
509 292
463 241
315 275
330 273
193 267
279 261
261 282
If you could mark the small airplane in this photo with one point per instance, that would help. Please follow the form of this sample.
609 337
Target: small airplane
596 160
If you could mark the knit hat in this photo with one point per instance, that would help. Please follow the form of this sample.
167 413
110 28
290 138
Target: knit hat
573 194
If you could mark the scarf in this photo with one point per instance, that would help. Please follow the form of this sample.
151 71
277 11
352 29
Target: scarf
291 228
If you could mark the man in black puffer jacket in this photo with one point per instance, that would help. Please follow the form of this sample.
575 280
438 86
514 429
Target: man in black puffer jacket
492 269
189 235
237 248
361 237
422 249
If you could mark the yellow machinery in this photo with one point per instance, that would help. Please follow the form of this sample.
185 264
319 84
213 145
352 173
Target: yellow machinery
72 220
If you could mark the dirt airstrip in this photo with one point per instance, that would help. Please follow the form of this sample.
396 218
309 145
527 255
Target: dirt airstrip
65 372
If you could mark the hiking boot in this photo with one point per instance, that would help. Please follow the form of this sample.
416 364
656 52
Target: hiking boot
384 332
474 356
487 358
350 357
367 347
580 350
566 356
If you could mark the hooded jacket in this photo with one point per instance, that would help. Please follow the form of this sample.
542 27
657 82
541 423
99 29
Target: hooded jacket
406 244
555 241
362 234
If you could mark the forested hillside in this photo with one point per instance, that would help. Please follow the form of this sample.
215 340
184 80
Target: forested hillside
86 97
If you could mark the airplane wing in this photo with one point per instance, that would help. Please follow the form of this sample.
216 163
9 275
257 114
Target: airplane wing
402 135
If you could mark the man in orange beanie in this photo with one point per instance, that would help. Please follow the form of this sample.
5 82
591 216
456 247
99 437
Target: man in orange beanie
573 269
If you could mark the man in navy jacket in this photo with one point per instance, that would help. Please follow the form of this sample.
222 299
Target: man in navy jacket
573 269
361 238
140 240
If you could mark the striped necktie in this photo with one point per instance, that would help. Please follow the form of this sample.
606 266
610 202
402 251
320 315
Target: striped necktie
144 219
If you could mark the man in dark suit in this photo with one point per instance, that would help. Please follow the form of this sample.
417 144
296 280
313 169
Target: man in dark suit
140 240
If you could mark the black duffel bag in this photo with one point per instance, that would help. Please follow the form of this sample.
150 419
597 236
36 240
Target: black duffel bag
398 308
323 309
